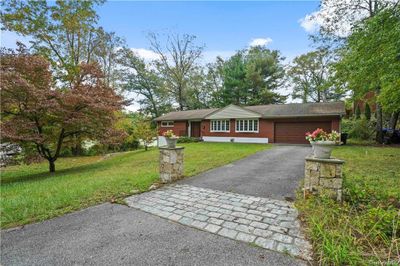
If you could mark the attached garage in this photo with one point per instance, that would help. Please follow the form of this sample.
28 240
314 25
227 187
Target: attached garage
294 132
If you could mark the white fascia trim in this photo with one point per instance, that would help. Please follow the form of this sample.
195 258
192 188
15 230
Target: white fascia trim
167 121
235 139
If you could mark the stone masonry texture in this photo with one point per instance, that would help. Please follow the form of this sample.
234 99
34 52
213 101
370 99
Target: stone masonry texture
171 164
324 175
268 223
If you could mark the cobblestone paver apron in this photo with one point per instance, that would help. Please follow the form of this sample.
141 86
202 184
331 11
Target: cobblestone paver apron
268 223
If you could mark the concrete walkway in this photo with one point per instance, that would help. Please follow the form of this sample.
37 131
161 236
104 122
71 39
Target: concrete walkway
273 173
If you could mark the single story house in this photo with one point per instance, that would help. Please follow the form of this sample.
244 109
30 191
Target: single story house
274 123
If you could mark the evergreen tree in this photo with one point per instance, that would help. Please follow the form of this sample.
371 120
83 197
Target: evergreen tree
358 112
367 111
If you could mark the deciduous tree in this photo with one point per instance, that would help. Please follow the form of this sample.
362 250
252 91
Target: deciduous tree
142 79
35 112
67 34
177 59
309 74
144 131
370 61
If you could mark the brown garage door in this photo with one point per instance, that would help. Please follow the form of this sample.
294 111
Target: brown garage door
294 132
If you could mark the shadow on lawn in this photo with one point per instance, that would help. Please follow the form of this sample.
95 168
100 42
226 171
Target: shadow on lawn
28 177
103 164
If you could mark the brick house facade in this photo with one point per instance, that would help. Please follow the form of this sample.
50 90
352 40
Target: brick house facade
254 124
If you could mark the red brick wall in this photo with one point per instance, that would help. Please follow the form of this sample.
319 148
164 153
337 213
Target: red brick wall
369 98
336 124
179 128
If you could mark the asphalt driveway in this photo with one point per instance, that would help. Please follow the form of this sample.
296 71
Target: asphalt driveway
273 173
111 234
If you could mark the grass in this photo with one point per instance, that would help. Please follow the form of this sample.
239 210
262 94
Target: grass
365 228
30 194
361 142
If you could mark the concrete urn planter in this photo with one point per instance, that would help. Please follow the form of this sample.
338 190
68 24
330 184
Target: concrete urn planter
322 149
171 142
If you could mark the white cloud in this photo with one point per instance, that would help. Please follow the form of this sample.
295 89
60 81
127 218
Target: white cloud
260 42
311 22
145 54
338 16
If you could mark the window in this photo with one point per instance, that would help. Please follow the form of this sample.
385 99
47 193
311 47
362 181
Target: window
167 123
219 126
246 125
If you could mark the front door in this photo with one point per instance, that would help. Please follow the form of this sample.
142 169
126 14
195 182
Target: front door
195 129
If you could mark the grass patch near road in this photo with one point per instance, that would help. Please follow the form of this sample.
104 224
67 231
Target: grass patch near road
30 194
365 228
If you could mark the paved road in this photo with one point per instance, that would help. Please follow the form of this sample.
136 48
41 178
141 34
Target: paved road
117 235
272 173
111 234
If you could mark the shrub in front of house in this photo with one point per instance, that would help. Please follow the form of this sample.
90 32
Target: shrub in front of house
361 129
186 139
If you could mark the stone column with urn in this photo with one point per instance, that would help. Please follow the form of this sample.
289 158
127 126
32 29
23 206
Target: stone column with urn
171 164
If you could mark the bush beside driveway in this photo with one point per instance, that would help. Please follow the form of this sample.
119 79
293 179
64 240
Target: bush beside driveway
365 229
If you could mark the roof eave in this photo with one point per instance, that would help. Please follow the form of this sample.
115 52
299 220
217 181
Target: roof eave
256 114
159 119
295 116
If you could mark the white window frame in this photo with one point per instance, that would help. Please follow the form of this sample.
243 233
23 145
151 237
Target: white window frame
167 123
244 125
220 125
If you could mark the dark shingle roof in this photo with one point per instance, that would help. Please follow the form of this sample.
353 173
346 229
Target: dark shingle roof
186 115
299 109
268 111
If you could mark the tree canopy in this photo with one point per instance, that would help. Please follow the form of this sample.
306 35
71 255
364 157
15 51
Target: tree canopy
310 76
251 77
36 114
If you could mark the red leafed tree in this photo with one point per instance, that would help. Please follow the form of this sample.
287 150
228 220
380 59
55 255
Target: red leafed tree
36 113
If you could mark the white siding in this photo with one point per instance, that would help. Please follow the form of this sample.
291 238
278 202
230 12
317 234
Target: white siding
233 111
235 139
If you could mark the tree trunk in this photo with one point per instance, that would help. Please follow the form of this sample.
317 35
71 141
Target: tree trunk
393 120
145 147
180 98
393 123
379 133
52 166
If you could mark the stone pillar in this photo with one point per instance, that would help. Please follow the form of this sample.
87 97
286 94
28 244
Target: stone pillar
324 175
171 164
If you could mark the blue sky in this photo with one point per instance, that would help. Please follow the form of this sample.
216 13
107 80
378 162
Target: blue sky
223 27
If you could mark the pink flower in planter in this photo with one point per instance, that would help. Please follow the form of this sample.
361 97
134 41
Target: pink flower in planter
320 135
169 134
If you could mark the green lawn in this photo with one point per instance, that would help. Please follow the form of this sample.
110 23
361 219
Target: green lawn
30 194
365 229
